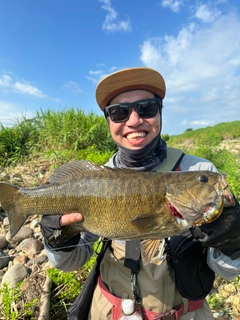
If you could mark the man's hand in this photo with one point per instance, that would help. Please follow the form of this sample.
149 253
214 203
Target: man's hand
223 233
59 233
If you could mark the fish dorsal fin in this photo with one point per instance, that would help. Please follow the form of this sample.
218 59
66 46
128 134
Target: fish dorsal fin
72 170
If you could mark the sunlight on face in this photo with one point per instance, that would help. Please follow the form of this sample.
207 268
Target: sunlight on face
135 133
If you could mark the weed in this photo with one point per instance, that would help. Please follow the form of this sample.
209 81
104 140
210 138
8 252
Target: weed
10 308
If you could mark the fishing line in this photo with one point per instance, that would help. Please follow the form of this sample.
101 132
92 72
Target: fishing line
76 245
57 249
67 247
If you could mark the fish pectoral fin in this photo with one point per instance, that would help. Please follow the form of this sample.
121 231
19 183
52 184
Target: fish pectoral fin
149 249
151 220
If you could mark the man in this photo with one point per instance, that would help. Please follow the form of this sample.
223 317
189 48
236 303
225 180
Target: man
131 100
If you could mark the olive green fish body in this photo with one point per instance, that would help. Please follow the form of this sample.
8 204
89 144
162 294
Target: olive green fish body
120 204
109 206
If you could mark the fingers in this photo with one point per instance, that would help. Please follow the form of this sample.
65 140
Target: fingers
70 218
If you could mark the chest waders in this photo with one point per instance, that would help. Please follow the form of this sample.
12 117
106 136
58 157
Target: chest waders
132 257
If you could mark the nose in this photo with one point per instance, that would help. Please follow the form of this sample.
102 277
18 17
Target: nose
134 119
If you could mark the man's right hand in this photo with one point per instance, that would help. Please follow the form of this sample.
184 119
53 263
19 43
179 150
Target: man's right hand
58 232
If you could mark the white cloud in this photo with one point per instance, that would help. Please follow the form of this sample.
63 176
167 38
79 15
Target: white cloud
206 14
73 86
93 80
5 81
197 123
174 5
96 76
27 88
22 87
150 53
201 67
95 73
112 23
113 69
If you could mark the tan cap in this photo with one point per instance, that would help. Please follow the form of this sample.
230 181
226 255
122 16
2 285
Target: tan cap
139 78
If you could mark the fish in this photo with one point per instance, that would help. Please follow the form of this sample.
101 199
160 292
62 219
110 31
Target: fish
121 203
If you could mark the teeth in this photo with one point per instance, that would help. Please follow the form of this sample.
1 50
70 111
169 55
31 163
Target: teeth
135 135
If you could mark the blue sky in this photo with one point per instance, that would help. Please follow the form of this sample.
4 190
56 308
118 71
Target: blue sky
54 52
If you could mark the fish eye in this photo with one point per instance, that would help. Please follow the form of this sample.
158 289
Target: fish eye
203 178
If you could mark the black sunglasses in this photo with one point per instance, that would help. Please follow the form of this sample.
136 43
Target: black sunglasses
120 112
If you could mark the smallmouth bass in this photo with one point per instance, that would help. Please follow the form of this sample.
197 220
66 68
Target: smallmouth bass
121 204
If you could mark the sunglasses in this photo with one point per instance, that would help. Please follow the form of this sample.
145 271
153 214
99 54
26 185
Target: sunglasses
120 112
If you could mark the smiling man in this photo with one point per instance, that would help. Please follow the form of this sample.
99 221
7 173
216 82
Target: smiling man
175 283
136 129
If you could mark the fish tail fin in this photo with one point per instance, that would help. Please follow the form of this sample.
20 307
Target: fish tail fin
8 200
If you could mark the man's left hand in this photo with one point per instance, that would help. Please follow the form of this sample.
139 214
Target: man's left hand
223 233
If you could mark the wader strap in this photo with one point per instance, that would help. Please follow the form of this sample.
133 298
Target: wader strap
177 165
132 255
132 261
174 314
173 160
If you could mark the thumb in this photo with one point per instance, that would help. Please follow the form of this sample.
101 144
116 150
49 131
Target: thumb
70 218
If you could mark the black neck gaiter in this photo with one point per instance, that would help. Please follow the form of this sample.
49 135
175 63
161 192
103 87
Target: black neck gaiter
144 159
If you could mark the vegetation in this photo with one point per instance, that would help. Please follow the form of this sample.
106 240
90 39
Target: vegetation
219 144
216 134
67 285
11 310
58 137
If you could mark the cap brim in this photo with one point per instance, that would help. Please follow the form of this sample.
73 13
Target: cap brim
139 78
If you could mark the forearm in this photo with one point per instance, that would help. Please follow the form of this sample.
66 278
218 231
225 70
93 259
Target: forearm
73 259
223 265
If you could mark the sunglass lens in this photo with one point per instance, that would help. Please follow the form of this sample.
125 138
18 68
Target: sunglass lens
119 113
148 109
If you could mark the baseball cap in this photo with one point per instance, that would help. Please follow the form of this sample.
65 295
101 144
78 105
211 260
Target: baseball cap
138 78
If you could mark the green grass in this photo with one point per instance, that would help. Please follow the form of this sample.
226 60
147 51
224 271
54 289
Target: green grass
66 134
208 143
11 307
210 135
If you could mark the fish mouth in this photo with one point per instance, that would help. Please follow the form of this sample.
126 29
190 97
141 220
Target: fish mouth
228 197
211 212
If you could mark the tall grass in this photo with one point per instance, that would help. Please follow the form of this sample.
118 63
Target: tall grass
73 129
65 134
17 142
